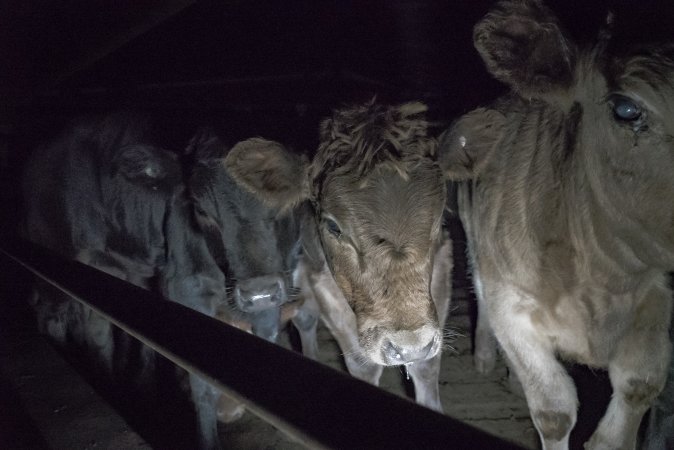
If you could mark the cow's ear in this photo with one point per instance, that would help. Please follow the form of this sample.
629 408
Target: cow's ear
205 146
270 172
465 148
148 166
522 45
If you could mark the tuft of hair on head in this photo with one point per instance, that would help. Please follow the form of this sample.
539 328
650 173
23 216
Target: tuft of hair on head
356 138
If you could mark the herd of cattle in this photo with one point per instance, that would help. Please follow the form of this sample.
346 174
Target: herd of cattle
565 192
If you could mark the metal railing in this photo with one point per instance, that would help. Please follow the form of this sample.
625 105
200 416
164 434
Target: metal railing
318 406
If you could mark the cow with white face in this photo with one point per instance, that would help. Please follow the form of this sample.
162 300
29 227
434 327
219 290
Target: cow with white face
569 215
378 259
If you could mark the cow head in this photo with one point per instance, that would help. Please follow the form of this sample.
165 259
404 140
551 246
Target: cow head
607 110
147 166
256 244
378 199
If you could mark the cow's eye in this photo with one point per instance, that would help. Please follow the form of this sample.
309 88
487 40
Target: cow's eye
199 211
625 109
332 227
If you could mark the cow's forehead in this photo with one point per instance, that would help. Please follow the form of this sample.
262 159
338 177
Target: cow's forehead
649 77
230 200
386 200
645 74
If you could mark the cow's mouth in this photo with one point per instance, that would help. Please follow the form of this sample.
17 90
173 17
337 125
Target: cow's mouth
400 347
395 354
259 302
260 294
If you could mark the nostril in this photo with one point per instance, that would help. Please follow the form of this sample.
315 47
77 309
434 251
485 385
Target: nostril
426 350
393 352
276 294
260 293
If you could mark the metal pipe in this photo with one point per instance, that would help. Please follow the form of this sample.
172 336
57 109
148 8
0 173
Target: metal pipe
319 406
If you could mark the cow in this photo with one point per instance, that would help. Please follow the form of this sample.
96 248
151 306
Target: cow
259 246
377 258
567 203
257 249
98 194
105 195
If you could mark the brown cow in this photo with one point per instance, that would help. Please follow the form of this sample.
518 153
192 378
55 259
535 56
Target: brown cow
569 215
378 260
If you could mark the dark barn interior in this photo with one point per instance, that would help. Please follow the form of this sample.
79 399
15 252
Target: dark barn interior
268 68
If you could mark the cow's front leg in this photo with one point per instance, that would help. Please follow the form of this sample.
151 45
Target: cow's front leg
306 322
638 373
484 357
484 354
425 376
660 429
305 318
549 390
205 398
341 321
99 337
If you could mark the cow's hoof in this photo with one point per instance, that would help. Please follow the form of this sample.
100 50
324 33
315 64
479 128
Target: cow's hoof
485 362
514 384
597 443
229 410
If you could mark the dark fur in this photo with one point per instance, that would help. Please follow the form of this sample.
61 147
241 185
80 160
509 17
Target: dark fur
102 193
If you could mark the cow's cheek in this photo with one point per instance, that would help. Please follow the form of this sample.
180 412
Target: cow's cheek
345 267
345 285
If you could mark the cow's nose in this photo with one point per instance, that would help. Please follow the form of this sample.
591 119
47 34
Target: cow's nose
396 353
260 293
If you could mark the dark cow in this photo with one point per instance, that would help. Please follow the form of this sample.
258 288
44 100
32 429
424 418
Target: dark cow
99 194
102 194
377 258
256 246
569 215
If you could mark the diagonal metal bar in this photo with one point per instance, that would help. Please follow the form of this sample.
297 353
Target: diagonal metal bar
318 406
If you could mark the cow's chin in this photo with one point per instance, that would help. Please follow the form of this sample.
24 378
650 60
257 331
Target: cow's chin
389 347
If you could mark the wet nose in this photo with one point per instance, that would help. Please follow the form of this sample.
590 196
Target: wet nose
397 350
260 293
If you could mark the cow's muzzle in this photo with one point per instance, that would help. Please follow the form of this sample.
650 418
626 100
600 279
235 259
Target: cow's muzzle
404 347
260 293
